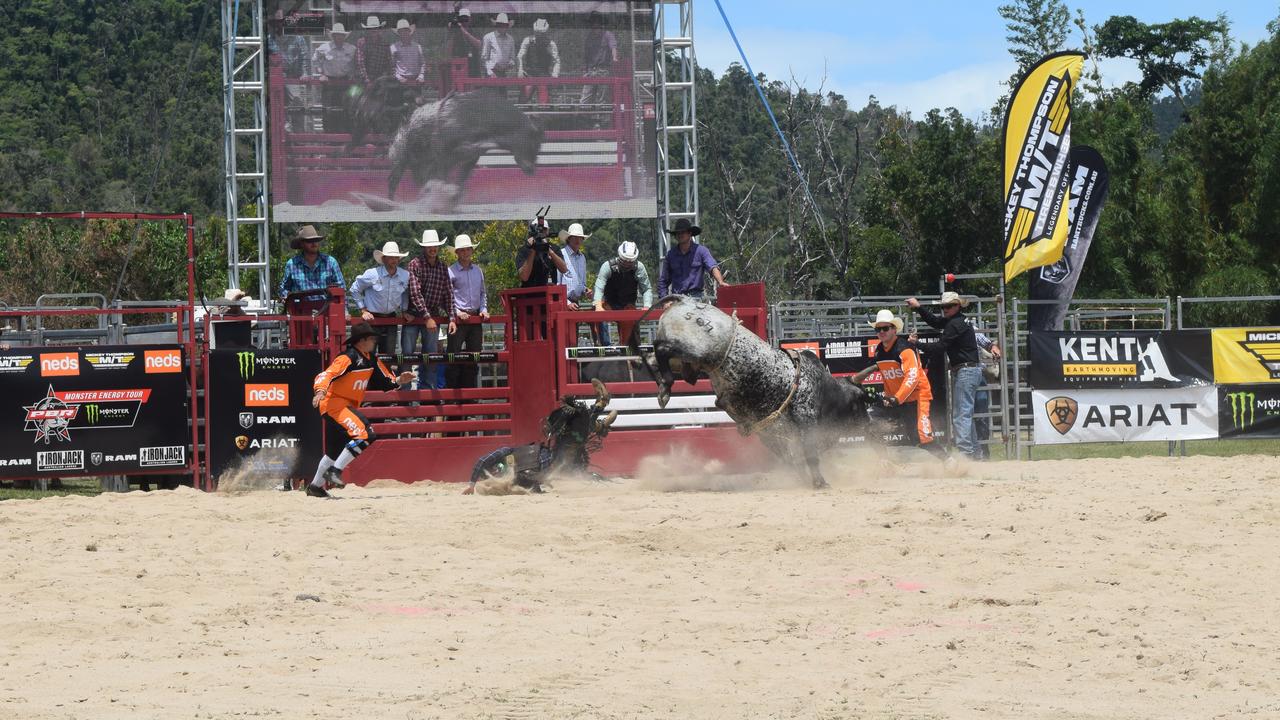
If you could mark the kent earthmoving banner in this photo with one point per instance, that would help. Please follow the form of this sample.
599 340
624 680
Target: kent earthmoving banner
1246 355
261 423
1073 416
1249 411
1037 145
1122 359
98 410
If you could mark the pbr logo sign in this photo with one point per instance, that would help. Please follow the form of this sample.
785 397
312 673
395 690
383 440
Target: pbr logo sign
1135 359
1249 411
50 418
1125 415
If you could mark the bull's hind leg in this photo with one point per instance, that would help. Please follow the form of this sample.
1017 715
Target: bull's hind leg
814 463
665 379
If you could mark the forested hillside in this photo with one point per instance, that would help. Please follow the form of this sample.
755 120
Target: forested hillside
117 106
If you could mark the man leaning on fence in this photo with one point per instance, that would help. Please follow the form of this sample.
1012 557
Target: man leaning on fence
310 269
382 292
961 348
430 297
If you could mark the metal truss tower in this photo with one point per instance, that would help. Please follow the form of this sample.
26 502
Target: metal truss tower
244 140
674 69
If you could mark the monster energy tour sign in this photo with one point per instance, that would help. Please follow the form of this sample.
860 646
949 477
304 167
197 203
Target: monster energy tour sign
1249 411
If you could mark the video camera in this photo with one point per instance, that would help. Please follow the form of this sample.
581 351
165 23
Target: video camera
540 231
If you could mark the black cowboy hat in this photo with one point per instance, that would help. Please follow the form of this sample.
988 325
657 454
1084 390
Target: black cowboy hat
306 232
360 331
682 225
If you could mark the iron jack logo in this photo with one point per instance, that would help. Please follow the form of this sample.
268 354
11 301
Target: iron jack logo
247 364
1265 346
1242 409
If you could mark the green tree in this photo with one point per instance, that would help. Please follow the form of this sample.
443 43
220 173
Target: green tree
1168 54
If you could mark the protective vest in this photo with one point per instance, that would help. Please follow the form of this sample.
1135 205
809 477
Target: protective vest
537 59
351 374
903 373
623 286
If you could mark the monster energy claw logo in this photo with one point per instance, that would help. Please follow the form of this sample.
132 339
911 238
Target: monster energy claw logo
246 364
1242 409
92 413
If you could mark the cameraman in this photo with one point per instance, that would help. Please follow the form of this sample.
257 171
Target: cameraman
539 260
462 44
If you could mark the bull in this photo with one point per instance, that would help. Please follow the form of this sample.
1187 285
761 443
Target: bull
791 400
442 141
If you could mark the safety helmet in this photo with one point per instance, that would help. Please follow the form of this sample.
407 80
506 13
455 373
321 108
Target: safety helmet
628 251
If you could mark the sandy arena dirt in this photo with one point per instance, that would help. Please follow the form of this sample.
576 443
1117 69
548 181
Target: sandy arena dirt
1132 588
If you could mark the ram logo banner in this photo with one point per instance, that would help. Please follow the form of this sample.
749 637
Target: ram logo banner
1189 413
1135 359
1246 355
1090 183
1249 411
1037 146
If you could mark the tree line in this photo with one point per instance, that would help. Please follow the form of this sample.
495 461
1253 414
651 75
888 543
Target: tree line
117 106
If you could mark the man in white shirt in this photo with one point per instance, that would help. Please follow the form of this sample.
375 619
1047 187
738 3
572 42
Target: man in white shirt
382 291
498 49
335 62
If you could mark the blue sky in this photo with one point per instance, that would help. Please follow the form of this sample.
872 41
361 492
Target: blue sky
916 55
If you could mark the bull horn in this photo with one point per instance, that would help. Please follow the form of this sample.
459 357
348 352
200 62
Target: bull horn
603 425
602 393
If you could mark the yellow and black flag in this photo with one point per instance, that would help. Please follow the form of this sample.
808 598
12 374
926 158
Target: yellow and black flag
1037 146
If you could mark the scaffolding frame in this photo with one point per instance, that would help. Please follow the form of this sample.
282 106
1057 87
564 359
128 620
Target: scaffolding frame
244 140
676 117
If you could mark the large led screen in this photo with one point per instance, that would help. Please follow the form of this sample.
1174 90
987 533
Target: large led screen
382 110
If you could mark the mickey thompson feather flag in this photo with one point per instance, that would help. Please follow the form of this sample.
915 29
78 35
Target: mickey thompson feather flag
1037 146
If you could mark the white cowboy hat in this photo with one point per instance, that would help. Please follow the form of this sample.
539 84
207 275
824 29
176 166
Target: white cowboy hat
887 316
464 13
403 24
372 23
234 294
541 25
628 251
951 298
431 238
462 242
338 29
502 19
575 230
391 249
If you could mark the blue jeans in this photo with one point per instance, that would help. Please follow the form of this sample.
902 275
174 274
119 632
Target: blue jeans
982 425
430 341
967 382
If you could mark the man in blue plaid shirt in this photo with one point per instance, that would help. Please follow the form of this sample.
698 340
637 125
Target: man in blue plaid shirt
310 269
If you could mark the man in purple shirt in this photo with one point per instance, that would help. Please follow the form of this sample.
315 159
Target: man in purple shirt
406 55
469 298
682 269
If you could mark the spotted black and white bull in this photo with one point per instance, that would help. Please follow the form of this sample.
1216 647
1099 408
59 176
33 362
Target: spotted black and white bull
792 401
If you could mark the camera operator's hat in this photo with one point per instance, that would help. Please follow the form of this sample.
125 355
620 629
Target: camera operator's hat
390 249
361 330
372 23
403 24
887 316
304 234
541 25
462 242
502 19
338 29
431 238
575 230
951 298
683 225
464 13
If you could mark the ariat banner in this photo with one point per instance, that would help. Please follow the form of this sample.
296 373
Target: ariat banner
1074 416
1249 411
1246 355
262 428
1037 146
97 410
1090 183
1120 359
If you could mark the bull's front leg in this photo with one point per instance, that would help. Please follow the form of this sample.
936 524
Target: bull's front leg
665 378
814 462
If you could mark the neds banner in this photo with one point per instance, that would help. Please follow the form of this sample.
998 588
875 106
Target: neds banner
261 422
1074 416
1120 359
99 410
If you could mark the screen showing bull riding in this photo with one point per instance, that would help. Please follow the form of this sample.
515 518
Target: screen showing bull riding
386 110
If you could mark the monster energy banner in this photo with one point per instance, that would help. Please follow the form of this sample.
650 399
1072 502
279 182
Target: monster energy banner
98 410
261 424
1089 185
1249 411
1121 359
1037 146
